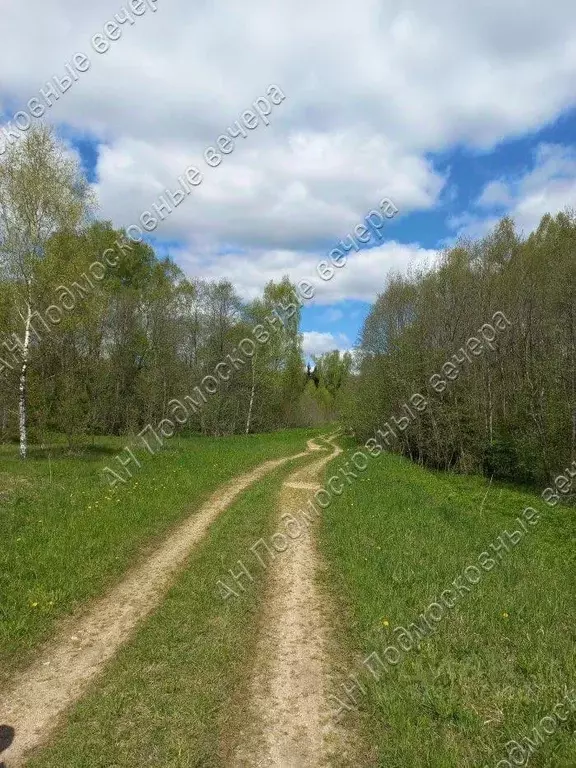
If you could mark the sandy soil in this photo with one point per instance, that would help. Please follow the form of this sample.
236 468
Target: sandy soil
40 695
289 722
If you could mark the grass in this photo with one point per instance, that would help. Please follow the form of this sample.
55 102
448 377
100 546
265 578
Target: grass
66 535
498 661
170 698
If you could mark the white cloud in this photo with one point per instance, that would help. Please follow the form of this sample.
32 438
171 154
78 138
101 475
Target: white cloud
373 87
421 73
298 192
316 343
548 187
361 278
494 194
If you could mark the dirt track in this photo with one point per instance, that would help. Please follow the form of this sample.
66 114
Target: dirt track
65 667
289 724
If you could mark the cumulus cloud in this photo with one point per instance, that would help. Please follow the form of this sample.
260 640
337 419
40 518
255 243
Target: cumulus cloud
372 88
297 192
316 343
422 74
547 187
361 278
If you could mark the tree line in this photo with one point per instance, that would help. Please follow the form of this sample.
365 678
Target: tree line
510 412
99 334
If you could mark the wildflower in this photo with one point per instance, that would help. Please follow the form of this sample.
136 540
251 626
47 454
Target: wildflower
505 615
385 622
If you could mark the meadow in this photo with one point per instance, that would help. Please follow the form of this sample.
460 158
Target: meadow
495 663
67 536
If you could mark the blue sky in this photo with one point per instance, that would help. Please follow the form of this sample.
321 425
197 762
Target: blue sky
459 113
468 171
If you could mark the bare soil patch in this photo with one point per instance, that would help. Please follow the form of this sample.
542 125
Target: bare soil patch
65 667
289 723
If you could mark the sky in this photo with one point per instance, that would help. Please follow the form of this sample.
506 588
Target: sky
458 112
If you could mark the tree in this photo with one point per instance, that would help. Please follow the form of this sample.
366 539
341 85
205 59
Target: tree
511 410
330 377
41 192
277 368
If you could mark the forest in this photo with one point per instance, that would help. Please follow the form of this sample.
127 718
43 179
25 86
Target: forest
509 412
100 334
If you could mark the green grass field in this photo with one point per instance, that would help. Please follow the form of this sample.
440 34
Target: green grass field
487 672
172 696
497 662
66 536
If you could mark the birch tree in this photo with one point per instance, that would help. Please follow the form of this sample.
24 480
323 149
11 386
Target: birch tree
42 191
509 410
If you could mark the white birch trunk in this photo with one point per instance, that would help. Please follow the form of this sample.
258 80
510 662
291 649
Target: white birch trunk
22 406
249 419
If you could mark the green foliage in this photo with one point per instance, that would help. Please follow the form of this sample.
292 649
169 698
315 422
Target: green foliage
322 398
133 334
511 411
501 460
142 336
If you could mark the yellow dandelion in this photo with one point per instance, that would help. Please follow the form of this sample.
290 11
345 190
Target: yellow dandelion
385 622
34 605
505 615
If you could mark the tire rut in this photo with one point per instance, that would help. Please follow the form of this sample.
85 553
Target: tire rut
39 696
290 722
